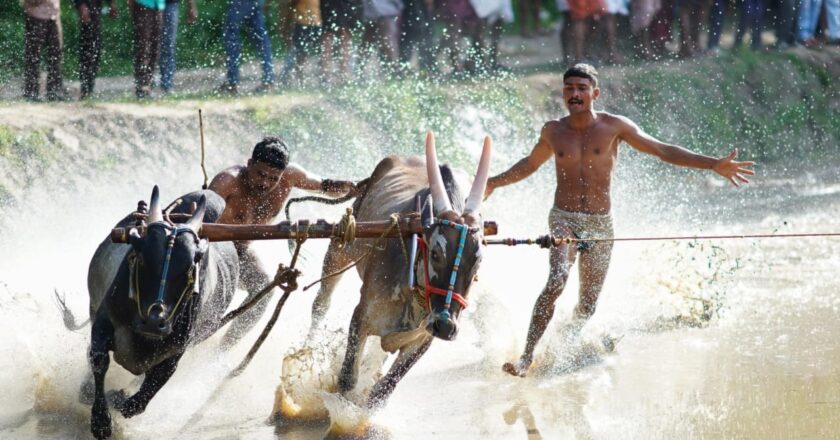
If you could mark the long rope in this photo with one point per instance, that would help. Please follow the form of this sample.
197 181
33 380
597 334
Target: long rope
548 240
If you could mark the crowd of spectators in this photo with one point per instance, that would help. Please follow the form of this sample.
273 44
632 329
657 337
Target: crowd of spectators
437 37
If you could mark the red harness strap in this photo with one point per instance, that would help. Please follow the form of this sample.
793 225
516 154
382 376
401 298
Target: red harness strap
428 288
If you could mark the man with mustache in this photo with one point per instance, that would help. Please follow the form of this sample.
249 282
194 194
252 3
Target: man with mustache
584 146
255 194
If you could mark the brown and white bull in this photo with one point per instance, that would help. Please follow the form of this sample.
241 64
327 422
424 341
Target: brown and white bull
407 318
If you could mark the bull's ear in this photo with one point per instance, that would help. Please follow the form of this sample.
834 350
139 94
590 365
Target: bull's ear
201 249
134 238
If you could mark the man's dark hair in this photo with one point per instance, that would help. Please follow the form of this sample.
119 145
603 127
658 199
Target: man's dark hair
582 70
272 151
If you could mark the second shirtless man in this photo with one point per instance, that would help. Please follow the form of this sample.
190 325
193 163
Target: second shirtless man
256 193
584 146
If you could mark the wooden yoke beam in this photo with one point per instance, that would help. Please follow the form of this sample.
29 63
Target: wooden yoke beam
287 230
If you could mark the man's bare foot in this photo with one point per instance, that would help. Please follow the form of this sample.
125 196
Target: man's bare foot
518 369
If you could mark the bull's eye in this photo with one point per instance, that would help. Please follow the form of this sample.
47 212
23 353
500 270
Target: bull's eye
436 255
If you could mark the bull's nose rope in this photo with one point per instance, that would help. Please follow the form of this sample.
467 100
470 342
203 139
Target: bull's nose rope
453 276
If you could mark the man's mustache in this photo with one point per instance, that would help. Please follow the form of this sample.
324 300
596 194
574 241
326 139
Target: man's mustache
575 101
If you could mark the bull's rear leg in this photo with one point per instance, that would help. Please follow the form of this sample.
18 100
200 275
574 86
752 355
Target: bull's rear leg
335 260
155 379
100 342
408 356
356 337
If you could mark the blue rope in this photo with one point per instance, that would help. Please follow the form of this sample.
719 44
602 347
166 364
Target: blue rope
454 274
169 247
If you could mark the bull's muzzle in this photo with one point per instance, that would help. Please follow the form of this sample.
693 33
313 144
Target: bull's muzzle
443 326
155 324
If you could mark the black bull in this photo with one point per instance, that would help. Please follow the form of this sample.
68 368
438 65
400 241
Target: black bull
408 319
146 323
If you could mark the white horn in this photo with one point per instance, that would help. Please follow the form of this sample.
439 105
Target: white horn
155 213
435 180
480 183
197 218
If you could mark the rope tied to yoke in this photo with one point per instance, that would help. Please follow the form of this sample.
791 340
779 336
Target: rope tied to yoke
395 223
286 279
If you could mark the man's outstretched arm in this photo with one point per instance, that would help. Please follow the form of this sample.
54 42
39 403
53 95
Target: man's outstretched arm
524 167
728 167
310 182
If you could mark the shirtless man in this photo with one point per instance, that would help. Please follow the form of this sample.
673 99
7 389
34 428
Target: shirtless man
584 146
255 194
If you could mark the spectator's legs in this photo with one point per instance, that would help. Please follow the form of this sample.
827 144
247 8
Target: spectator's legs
55 44
345 46
809 13
167 46
259 35
90 50
389 40
230 35
756 16
614 56
579 39
146 45
292 57
832 9
34 38
716 14
329 42
686 32
786 23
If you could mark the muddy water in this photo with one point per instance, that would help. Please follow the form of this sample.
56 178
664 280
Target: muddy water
724 339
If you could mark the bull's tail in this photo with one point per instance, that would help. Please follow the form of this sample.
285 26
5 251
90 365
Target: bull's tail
67 315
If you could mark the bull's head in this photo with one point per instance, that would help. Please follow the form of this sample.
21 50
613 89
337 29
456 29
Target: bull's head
453 245
163 269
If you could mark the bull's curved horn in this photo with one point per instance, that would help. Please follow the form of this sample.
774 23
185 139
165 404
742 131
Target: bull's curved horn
197 218
435 180
479 185
155 213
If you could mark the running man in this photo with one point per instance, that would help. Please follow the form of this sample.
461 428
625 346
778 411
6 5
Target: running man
584 146
255 194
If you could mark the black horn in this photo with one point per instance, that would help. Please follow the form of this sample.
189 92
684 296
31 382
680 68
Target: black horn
155 213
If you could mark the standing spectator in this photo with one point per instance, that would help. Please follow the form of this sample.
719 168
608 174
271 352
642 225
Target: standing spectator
716 16
529 10
306 38
42 30
459 20
250 11
786 23
581 11
339 19
641 22
416 34
565 33
147 16
168 37
752 14
380 32
90 42
691 19
614 9
493 14
809 14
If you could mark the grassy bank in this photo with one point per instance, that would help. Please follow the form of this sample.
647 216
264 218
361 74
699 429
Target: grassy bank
771 106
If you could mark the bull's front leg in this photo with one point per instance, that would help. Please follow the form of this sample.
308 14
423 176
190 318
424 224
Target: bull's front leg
409 355
155 379
102 333
356 337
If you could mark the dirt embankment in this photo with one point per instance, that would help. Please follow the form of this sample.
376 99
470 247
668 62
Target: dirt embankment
761 101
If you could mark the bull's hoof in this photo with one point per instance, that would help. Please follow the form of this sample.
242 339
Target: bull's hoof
86 392
100 425
116 398
132 407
